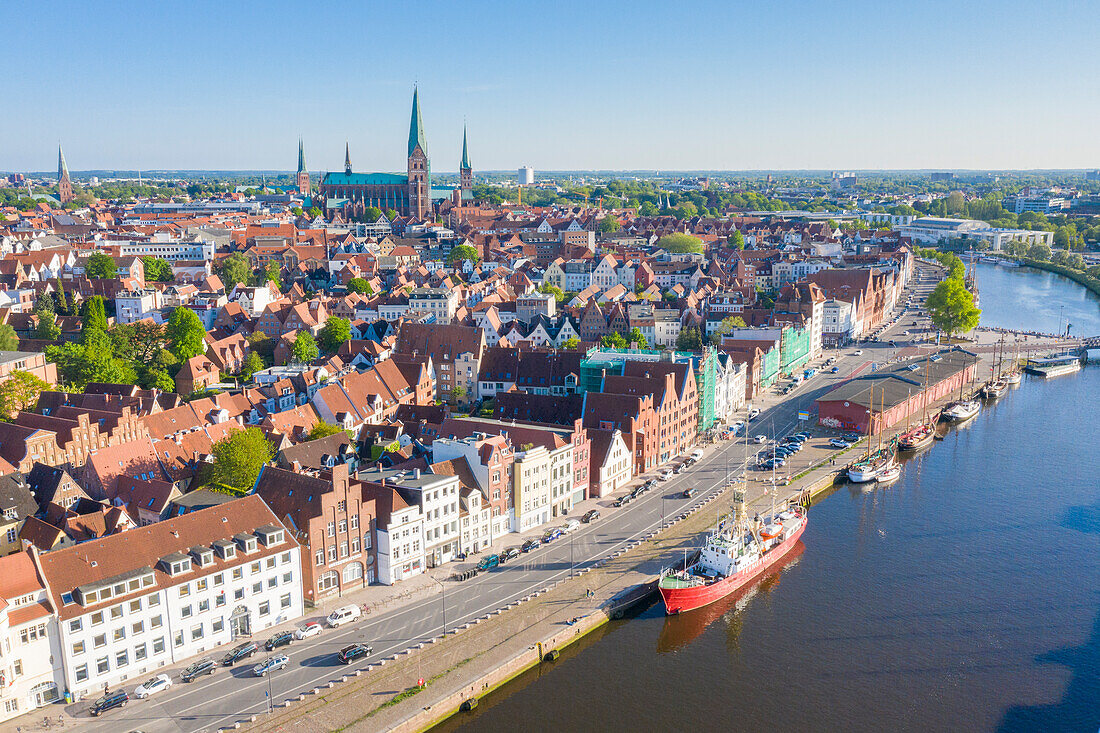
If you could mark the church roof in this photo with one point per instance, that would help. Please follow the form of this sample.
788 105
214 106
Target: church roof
365 179
465 155
301 157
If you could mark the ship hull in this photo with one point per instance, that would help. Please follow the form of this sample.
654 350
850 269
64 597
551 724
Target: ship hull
917 439
679 600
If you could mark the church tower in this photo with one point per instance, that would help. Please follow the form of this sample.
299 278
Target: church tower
465 170
64 185
347 159
303 175
420 195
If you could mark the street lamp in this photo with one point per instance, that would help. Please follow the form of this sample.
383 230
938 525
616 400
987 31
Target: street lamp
444 589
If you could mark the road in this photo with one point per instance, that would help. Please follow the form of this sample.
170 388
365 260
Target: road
232 694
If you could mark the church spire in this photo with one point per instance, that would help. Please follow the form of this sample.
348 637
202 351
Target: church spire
62 168
416 127
465 154
301 156
347 159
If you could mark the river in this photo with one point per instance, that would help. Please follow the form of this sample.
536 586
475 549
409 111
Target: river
964 597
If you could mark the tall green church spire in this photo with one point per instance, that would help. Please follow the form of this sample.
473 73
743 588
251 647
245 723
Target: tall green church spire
416 127
301 157
62 168
465 154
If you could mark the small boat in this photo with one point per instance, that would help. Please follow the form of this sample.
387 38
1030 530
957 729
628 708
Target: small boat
962 411
1008 263
870 467
918 437
1014 377
889 476
995 389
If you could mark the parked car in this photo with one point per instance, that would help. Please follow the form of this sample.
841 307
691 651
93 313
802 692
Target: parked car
510 554
637 491
621 501
754 413
280 639
840 443
150 687
803 434
591 516
198 669
737 427
697 454
343 615
109 702
352 652
664 475
489 562
552 534
680 468
688 493
529 545
835 370
271 664
760 439
859 352
571 526
310 629
237 653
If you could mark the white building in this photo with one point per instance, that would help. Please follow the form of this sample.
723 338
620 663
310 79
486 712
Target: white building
437 498
838 322
612 464
526 175
137 305
166 248
400 532
531 488
31 672
930 230
131 603
440 302
729 392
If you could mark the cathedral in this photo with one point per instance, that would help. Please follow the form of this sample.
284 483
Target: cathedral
410 194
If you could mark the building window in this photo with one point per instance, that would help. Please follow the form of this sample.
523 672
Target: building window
99 640
185 612
119 634
76 625
332 554
265 608
78 648
122 658
217 625
177 641
97 618
154 600
155 622
196 632
102 665
81 673
139 652
158 645
319 557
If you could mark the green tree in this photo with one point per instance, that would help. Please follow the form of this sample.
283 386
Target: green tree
728 324
323 430
313 212
62 301
157 269
458 393
571 343
93 316
371 214
101 266
9 340
689 340
1039 251
185 333
336 331
252 364
608 224
737 239
554 290
614 340
680 243
272 272
238 458
635 336
262 344
47 329
955 203
19 392
951 307
305 348
234 269
462 252
158 379
360 285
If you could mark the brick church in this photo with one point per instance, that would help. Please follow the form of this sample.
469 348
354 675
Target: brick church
410 194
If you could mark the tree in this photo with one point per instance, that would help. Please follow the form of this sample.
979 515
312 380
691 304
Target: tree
571 343
101 266
157 269
272 272
262 344
323 430
19 392
238 458
1039 251
47 329
9 340
185 334
62 301
458 393
336 331
637 337
158 379
680 243
371 214
955 203
252 364
234 269
360 285
93 316
554 290
462 252
614 340
737 239
689 340
951 307
728 324
608 224
305 348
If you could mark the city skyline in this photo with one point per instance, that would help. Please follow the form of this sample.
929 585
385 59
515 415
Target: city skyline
796 87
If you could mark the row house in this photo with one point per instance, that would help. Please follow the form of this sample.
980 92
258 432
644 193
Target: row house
675 400
489 460
332 518
31 666
456 352
635 419
371 396
132 603
437 497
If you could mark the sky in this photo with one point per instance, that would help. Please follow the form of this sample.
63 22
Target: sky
768 85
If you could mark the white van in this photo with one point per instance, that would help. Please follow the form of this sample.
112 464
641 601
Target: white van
697 453
343 615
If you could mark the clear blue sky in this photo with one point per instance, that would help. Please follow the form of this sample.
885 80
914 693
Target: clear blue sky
560 85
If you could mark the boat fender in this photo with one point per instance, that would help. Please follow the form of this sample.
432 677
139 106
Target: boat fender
551 656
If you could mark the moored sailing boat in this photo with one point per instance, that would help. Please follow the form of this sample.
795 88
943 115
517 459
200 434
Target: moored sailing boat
924 432
872 464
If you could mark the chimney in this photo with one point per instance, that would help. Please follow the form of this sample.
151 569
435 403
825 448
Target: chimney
296 467
416 473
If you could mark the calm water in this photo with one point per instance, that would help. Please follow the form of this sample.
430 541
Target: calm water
965 597
1036 300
